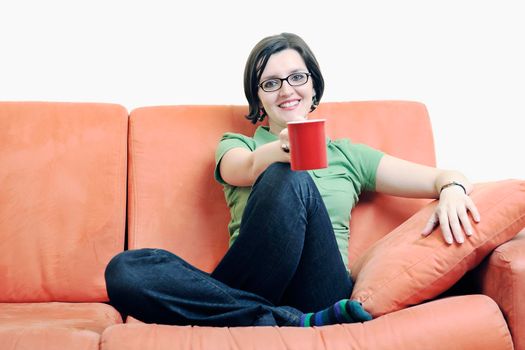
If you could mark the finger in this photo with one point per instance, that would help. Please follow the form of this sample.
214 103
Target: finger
431 223
445 228
453 222
473 210
465 222
283 135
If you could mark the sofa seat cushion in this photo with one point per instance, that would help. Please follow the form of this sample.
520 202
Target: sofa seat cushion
93 317
486 330
405 268
54 326
22 338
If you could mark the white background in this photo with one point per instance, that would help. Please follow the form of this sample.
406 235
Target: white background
463 59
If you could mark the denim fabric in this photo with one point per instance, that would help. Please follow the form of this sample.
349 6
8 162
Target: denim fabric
285 262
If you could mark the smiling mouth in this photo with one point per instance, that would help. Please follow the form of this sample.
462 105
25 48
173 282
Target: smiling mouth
289 104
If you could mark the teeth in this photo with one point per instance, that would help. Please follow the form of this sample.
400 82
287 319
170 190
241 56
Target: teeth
289 104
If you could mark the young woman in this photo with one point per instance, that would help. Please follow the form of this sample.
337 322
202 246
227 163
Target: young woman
287 261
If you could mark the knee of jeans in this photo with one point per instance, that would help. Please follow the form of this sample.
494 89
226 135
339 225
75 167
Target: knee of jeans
281 174
118 274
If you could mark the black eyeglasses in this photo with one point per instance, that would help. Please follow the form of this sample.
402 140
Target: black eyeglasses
294 79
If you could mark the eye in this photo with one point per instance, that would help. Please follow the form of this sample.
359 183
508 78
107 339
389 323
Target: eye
298 77
270 84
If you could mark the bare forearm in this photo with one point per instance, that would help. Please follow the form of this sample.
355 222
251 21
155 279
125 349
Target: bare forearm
266 155
402 178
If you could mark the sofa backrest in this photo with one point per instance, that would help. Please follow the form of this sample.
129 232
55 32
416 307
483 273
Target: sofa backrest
175 203
62 198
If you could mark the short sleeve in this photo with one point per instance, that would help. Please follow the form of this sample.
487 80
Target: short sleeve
364 159
228 141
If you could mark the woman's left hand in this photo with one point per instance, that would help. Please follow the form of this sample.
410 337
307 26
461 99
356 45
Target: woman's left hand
451 214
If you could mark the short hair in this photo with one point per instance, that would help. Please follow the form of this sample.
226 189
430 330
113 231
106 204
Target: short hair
258 59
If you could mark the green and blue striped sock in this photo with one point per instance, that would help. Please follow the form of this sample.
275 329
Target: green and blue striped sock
344 311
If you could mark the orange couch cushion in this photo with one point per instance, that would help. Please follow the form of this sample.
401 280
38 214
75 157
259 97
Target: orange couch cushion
22 338
503 279
405 268
94 317
54 326
62 198
175 204
427 326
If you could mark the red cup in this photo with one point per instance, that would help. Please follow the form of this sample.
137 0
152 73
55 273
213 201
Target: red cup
307 144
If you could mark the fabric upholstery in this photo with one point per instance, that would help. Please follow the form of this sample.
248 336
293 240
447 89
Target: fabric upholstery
437 328
54 325
89 316
62 198
62 217
22 338
405 268
502 277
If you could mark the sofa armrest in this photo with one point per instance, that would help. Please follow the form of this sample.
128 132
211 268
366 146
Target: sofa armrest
502 277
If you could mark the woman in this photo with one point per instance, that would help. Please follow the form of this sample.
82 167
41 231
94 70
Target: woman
287 263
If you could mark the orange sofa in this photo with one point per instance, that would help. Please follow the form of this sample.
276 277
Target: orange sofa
80 182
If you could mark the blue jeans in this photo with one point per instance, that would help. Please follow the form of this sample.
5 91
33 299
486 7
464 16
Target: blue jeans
285 262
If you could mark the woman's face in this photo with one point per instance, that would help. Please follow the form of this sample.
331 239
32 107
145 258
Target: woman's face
289 103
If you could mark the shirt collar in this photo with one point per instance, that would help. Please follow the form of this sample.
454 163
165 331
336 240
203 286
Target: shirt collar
263 135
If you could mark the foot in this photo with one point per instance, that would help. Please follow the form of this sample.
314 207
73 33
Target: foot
344 311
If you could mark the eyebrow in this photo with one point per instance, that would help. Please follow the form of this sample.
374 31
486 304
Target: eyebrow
302 70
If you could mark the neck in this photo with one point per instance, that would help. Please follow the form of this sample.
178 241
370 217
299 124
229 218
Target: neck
276 128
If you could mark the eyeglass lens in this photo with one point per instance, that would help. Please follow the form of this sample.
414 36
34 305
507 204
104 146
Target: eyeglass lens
294 79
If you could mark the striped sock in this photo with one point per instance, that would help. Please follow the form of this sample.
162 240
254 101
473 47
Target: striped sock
344 311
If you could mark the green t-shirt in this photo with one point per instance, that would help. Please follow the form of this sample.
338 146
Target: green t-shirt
351 170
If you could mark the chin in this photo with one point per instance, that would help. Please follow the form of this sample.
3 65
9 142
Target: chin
291 116
294 116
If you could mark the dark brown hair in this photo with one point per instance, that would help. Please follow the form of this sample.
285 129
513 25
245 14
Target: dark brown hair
259 58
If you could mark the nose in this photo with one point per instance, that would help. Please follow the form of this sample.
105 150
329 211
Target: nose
286 88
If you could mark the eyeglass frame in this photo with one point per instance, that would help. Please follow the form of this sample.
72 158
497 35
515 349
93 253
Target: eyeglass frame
308 75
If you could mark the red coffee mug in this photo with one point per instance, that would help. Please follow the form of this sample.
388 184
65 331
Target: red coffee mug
307 144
